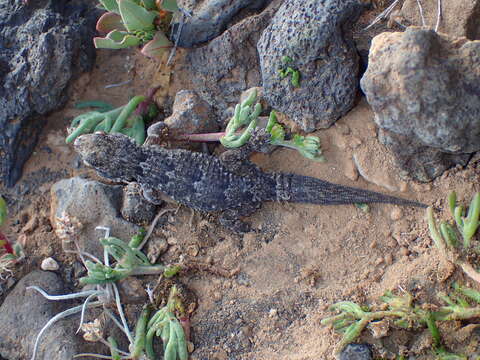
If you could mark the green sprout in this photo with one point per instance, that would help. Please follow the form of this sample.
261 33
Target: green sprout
308 146
13 253
445 237
245 115
288 70
132 23
128 120
129 261
466 225
353 318
165 324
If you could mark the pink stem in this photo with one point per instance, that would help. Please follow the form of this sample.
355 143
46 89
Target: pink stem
209 137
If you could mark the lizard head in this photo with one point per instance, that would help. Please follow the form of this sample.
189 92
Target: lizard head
113 156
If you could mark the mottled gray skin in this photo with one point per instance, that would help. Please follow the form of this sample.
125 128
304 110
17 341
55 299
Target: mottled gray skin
230 184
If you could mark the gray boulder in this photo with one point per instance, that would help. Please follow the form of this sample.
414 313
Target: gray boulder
211 17
315 35
356 352
424 88
43 45
79 205
227 65
24 312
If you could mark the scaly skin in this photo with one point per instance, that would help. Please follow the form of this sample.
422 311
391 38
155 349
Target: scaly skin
230 184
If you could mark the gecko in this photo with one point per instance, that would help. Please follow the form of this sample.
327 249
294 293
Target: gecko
229 184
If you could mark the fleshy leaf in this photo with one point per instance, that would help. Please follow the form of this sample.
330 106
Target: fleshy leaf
110 5
149 4
170 5
135 17
116 40
3 210
110 21
157 47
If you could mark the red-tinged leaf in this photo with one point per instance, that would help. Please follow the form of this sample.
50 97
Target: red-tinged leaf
135 17
109 22
116 40
157 47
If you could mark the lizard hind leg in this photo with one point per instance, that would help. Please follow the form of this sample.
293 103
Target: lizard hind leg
231 218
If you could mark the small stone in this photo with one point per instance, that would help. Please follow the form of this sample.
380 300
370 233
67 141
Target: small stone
193 250
49 264
30 226
379 261
217 295
273 313
391 242
172 241
404 251
350 170
373 244
356 352
396 214
389 259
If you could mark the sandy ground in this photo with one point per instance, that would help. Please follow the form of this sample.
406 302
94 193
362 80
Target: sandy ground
298 260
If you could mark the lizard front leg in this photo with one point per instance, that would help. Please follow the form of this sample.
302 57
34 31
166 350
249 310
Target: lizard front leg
231 218
236 160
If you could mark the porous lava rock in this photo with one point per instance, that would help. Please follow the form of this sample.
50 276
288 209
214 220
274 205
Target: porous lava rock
424 90
211 17
43 45
315 35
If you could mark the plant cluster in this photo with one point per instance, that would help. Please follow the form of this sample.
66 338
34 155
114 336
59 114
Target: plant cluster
288 70
129 260
245 120
13 253
136 23
462 304
129 119
446 237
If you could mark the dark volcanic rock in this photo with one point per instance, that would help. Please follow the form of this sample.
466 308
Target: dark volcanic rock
424 89
42 46
356 352
228 65
211 17
315 35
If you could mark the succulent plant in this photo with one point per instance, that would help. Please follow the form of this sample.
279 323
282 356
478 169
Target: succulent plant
136 23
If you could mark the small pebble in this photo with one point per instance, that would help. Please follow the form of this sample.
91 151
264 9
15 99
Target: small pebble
172 241
356 352
49 264
389 259
193 250
273 313
404 251
373 244
379 261
396 214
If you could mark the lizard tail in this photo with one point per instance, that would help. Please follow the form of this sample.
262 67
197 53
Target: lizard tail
297 188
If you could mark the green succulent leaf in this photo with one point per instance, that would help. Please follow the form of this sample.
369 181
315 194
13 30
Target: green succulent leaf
170 5
116 40
110 5
3 210
149 4
135 17
110 21
156 47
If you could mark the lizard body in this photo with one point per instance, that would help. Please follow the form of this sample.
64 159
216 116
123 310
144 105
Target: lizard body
230 183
